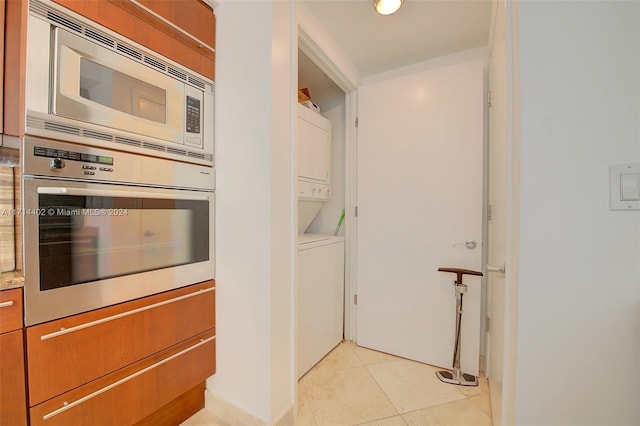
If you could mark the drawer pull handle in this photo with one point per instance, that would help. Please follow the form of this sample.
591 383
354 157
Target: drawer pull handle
174 26
64 331
6 304
67 405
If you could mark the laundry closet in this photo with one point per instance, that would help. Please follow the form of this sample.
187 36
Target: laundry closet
320 141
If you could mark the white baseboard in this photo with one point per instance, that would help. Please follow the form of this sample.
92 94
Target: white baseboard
233 415
228 412
285 418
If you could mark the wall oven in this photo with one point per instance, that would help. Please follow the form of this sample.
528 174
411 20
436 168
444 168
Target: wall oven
103 227
87 84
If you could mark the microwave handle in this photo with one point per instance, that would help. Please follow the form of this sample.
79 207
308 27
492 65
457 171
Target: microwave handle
112 193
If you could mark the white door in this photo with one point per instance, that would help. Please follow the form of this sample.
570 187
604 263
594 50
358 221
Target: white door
420 195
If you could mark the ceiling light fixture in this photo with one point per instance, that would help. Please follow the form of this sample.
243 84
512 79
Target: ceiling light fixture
387 7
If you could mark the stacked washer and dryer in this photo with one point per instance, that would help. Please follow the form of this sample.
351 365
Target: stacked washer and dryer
320 272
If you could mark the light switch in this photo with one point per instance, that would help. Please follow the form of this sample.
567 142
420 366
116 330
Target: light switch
630 186
624 187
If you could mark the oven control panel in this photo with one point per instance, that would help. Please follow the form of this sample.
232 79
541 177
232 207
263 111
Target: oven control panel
56 159
91 162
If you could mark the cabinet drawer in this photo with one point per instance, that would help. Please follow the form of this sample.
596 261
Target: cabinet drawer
13 399
67 353
10 310
129 395
193 16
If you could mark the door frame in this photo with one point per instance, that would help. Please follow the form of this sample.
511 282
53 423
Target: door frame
512 261
512 258
315 42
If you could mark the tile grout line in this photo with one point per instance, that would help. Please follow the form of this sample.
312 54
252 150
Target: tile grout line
306 394
381 418
344 342
385 395
352 349
450 402
463 397
366 366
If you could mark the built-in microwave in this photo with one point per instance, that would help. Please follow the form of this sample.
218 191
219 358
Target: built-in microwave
87 84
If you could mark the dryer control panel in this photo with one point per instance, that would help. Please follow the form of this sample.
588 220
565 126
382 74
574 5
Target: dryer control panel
313 191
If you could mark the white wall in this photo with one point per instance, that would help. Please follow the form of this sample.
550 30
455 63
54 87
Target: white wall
283 205
579 298
254 203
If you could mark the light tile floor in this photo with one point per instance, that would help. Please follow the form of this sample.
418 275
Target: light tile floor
357 386
203 418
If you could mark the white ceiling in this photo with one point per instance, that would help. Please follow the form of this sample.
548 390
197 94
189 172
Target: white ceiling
420 30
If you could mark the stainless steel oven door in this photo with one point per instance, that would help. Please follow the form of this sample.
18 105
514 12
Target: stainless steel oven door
89 245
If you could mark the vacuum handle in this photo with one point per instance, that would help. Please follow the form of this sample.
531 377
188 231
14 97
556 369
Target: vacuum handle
460 272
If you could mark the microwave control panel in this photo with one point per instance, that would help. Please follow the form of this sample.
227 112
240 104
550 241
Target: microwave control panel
194 109
193 115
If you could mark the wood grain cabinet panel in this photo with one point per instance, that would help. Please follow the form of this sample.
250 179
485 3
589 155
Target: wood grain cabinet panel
15 62
1 67
178 410
195 17
135 23
67 353
13 405
13 397
10 310
132 394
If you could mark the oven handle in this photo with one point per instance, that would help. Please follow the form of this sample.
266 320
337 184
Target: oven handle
112 193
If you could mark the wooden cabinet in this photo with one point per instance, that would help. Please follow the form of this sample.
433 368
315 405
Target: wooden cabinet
10 310
183 31
130 395
12 380
194 17
139 355
2 4
15 48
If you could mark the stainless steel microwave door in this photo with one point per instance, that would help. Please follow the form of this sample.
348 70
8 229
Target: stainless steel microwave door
122 92
99 86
